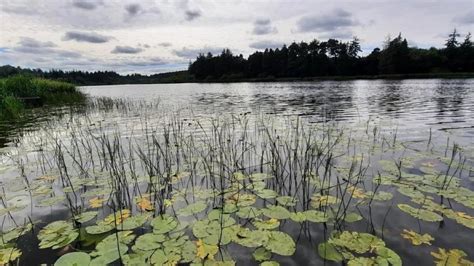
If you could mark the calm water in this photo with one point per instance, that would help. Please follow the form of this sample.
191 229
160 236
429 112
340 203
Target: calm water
411 109
414 106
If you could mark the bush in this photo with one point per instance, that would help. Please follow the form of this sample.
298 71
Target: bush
10 107
12 89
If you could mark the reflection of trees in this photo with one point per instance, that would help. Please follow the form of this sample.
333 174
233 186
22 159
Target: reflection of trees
391 99
449 98
327 100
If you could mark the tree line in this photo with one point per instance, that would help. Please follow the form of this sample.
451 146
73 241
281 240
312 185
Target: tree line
337 58
97 77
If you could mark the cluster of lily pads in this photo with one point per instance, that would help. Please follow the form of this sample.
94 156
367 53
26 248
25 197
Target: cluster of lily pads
192 196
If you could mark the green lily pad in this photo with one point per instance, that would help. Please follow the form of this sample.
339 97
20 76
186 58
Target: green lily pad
276 212
287 201
57 235
85 216
352 217
328 251
261 254
252 238
316 216
134 221
73 259
193 208
248 212
280 243
163 224
421 214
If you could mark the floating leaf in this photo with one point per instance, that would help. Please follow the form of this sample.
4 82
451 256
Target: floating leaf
134 221
9 254
266 224
328 251
276 212
205 251
50 201
73 259
280 243
323 200
356 242
248 212
298 217
387 256
451 257
411 192
57 235
99 229
269 263
267 194
163 224
424 215
14 233
287 201
261 254
193 208
417 239
148 242
96 202
252 238
144 204
380 196
85 216
316 216
352 217
362 261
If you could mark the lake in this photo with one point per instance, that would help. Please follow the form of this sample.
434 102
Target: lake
355 171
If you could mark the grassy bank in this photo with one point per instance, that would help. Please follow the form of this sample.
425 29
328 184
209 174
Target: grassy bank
18 92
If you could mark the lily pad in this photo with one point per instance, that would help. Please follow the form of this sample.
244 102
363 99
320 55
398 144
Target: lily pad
73 259
421 214
57 235
276 212
280 243
163 224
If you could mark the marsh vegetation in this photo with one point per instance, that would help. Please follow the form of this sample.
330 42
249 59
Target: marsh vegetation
140 182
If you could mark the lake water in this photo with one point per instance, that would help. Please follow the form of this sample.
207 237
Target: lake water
260 141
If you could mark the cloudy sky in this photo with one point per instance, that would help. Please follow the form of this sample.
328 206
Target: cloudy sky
151 36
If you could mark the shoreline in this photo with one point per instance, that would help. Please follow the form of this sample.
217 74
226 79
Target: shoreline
307 79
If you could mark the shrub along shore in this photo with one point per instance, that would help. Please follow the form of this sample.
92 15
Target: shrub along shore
19 92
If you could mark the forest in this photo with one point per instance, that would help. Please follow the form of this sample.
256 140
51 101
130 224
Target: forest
338 58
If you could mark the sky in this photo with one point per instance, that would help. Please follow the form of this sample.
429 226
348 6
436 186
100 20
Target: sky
154 36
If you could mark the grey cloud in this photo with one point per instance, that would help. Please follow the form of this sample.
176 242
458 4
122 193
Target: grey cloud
90 37
344 34
32 43
126 50
261 45
28 45
154 61
468 18
335 20
263 26
192 14
165 44
87 5
191 53
133 9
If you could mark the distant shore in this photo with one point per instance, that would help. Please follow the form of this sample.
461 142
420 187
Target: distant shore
338 78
